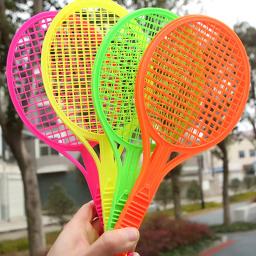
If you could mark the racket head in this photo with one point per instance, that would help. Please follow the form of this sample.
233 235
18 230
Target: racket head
199 85
24 79
115 70
70 91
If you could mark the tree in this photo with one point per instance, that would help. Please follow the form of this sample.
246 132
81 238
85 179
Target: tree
200 161
12 132
11 14
164 193
168 4
222 153
176 190
59 204
247 34
193 191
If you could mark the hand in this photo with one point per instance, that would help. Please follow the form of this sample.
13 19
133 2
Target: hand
80 237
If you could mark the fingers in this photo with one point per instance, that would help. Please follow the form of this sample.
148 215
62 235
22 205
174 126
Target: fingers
86 213
114 242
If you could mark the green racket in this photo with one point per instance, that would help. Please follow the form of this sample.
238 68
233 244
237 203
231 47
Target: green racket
114 75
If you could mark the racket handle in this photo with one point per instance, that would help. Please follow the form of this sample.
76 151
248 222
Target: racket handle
135 209
107 199
117 208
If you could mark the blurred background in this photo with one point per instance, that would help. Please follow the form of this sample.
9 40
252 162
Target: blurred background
206 206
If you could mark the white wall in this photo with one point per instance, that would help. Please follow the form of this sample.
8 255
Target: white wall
11 192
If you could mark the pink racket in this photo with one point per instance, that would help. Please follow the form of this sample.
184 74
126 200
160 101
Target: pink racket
31 103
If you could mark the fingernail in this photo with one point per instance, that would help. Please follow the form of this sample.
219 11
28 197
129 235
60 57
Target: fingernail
135 254
133 234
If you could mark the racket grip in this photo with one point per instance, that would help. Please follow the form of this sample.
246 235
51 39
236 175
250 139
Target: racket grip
135 209
117 208
107 194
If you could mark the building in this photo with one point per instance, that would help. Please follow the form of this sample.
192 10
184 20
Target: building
242 158
52 168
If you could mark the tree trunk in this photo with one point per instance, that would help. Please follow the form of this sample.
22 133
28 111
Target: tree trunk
200 161
225 195
38 6
175 177
13 137
12 133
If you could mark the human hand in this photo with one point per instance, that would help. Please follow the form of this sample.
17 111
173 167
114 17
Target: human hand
80 237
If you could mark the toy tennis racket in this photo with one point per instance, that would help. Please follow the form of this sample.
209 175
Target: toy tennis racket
191 88
114 76
69 50
31 103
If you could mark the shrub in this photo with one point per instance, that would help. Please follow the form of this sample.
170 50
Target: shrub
160 234
164 194
249 181
235 185
59 203
193 192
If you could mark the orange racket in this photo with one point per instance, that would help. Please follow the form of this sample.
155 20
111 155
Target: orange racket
191 89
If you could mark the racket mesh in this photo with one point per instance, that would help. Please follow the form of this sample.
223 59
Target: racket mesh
117 67
194 82
27 82
72 53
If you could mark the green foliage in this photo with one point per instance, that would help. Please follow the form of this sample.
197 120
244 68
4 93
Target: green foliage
248 196
249 181
234 227
247 35
59 203
164 193
193 191
235 185
13 246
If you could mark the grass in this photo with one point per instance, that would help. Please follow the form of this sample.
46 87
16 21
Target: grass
247 196
19 245
193 207
234 227
191 250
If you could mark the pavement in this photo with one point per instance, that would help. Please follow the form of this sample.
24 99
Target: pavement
215 216
240 244
17 228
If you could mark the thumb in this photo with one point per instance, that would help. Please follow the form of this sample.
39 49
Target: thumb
114 242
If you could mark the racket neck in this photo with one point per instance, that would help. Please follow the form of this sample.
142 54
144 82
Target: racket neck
107 175
144 189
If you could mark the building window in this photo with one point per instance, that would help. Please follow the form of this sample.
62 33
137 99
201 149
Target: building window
45 150
252 153
241 154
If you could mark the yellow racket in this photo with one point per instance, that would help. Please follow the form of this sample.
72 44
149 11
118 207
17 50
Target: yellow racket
68 54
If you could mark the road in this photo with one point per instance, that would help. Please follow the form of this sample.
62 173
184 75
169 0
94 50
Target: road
213 217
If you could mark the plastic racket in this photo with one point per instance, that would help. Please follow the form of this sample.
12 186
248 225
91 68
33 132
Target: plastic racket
68 55
32 105
191 89
114 76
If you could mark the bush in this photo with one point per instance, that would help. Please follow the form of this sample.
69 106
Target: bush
164 193
235 185
159 234
193 192
249 181
59 203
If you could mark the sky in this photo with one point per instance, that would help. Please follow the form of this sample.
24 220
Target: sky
227 11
